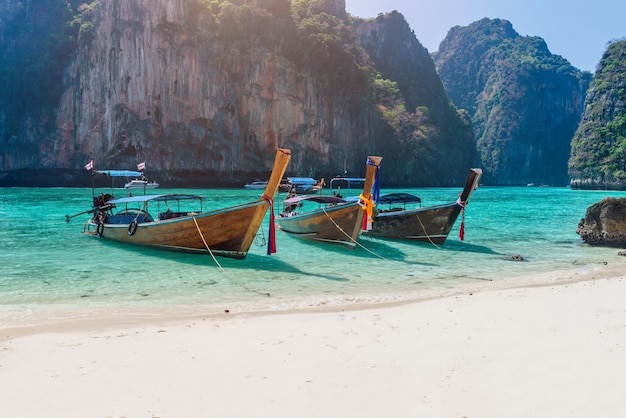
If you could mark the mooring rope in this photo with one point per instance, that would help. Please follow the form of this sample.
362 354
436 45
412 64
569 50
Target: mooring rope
350 237
220 266
461 231
426 233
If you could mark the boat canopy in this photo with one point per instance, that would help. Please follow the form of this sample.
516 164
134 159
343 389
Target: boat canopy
156 198
391 198
316 199
350 179
302 180
120 173
347 182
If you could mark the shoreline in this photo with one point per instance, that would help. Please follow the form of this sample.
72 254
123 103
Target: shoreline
539 349
109 317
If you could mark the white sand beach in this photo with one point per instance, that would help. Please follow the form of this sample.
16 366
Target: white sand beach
553 349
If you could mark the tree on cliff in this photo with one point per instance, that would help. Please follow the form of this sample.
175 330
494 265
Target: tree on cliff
598 157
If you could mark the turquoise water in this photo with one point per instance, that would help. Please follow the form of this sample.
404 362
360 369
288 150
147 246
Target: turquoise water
49 269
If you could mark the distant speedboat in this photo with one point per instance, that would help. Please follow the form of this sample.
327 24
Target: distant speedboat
256 185
301 185
141 184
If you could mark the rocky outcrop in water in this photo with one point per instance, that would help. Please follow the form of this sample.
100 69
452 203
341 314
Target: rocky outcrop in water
605 223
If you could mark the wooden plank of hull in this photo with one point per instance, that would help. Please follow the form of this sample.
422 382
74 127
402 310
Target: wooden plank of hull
427 224
336 224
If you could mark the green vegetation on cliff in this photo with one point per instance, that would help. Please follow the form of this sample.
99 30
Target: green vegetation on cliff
305 31
525 102
430 137
419 130
598 157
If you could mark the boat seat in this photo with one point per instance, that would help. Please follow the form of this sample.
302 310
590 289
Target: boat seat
390 210
170 215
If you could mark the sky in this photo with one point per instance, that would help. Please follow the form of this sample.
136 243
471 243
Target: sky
577 30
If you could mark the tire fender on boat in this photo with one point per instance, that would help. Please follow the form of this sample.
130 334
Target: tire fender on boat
100 229
132 228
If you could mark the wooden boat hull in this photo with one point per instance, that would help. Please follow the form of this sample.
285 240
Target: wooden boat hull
335 224
339 224
432 224
429 224
228 232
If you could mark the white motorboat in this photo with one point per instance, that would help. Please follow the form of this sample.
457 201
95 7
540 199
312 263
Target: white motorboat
141 184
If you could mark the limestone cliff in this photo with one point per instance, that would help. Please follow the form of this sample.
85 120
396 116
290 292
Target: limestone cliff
598 159
399 56
525 102
203 92
157 85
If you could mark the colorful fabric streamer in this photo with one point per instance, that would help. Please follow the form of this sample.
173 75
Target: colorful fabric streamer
462 229
367 204
376 186
271 243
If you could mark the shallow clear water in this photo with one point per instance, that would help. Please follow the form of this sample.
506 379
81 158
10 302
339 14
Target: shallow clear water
47 267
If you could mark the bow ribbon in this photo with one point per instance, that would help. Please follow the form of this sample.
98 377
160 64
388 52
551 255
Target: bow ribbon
271 243
367 204
462 228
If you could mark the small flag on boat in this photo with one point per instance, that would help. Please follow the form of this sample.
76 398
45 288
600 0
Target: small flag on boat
141 166
89 165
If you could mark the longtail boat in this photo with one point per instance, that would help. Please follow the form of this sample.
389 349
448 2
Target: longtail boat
429 224
336 221
226 232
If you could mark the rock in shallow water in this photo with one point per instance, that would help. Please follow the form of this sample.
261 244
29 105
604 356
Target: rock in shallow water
605 223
